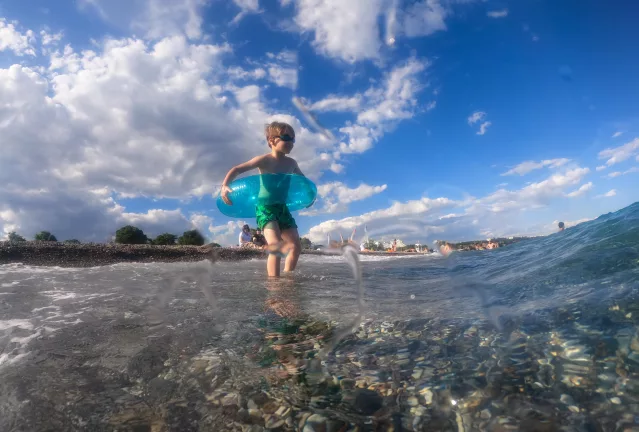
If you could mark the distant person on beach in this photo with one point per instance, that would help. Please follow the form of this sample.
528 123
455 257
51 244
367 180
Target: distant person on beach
245 236
258 239
275 220
561 226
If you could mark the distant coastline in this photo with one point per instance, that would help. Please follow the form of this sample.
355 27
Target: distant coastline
46 253
488 244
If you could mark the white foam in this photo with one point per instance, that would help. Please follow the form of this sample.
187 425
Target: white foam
20 323
25 340
363 258
21 268
10 284
59 295
6 360
46 307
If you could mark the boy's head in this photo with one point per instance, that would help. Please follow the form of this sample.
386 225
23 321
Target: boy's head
280 136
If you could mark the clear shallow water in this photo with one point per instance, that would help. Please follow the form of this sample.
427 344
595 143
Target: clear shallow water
541 335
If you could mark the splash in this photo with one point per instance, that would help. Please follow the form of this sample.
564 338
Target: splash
350 254
201 274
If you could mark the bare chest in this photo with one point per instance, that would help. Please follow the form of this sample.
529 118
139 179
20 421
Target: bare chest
274 166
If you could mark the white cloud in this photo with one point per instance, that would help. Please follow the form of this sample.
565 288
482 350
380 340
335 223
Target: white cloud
423 219
476 117
423 18
237 73
479 116
621 153
617 134
344 30
282 70
498 13
381 220
397 100
611 193
12 39
528 166
336 196
246 7
581 191
350 30
620 173
483 128
601 168
381 106
129 119
431 105
337 104
155 18
50 38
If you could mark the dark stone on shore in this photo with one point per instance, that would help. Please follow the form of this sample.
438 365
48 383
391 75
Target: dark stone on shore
42 253
99 254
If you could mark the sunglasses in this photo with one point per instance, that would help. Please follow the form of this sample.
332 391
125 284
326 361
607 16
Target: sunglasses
287 137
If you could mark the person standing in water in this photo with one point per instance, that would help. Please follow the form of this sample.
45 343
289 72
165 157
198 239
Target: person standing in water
275 220
561 226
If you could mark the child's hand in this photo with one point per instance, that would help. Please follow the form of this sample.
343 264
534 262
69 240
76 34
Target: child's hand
225 195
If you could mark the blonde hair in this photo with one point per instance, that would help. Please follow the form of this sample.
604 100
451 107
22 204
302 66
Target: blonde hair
275 128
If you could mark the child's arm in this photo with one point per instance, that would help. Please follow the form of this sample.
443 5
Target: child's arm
254 163
297 170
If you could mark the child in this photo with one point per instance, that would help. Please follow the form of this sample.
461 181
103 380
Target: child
275 221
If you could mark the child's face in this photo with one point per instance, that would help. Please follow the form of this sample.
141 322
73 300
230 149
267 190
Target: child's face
283 142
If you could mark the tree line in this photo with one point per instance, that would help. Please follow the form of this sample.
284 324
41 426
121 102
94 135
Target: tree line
129 234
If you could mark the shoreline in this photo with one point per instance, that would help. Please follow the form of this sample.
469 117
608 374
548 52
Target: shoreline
55 254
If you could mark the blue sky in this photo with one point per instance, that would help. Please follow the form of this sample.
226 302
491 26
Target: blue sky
452 119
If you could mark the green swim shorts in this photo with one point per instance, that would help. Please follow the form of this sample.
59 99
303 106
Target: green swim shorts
274 213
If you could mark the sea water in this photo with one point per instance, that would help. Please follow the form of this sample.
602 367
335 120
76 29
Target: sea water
539 335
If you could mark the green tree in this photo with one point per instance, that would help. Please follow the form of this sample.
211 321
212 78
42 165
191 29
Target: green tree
165 239
306 243
72 241
45 236
192 237
14 237
130 235
215 245
374 245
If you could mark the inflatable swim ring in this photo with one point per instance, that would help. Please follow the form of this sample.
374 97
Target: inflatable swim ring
296 191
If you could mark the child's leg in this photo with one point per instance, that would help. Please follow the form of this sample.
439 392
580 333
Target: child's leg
273 237
292 240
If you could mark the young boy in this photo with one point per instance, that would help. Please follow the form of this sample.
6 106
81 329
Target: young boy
275 221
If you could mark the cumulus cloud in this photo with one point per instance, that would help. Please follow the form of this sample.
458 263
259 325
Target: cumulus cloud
154 18
380 107
282 69
336 196
383 220
16 41
621 173
503 13
619 154
130 118
350 30
496 213
528 166
601 167
50 38
581 191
